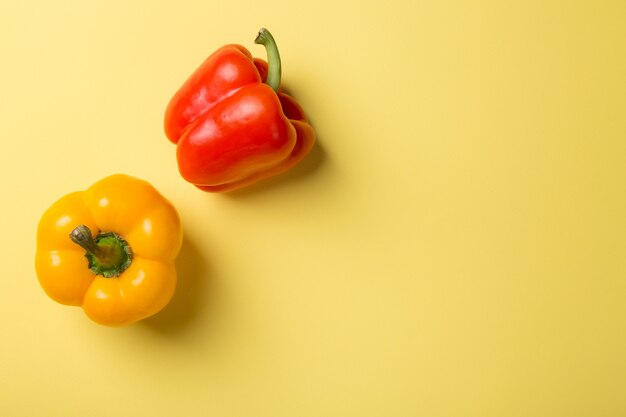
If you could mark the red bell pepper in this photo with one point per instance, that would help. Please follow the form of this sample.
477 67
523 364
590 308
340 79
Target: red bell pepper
232 124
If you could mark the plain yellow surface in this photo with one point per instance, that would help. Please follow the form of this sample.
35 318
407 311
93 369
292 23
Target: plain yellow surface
454 246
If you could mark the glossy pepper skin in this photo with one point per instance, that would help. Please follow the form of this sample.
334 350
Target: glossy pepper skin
116 212
232 124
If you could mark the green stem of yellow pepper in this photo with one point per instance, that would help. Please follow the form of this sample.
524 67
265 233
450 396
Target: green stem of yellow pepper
108 254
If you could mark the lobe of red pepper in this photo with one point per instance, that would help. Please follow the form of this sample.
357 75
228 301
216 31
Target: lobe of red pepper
305 139
220 75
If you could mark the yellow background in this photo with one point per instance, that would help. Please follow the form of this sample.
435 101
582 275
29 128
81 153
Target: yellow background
454 246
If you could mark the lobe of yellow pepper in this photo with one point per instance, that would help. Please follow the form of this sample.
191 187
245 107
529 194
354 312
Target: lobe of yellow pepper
126 207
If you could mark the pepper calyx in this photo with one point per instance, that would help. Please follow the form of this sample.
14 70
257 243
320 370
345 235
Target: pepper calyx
108 253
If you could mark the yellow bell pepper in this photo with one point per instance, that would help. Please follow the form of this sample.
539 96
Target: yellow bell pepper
110 249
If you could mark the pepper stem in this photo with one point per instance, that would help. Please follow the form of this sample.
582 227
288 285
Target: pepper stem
108 254
266 39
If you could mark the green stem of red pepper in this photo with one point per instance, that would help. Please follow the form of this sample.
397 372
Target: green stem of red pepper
266 39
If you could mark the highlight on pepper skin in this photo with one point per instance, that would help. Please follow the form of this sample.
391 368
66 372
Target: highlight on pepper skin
111 250
232 124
